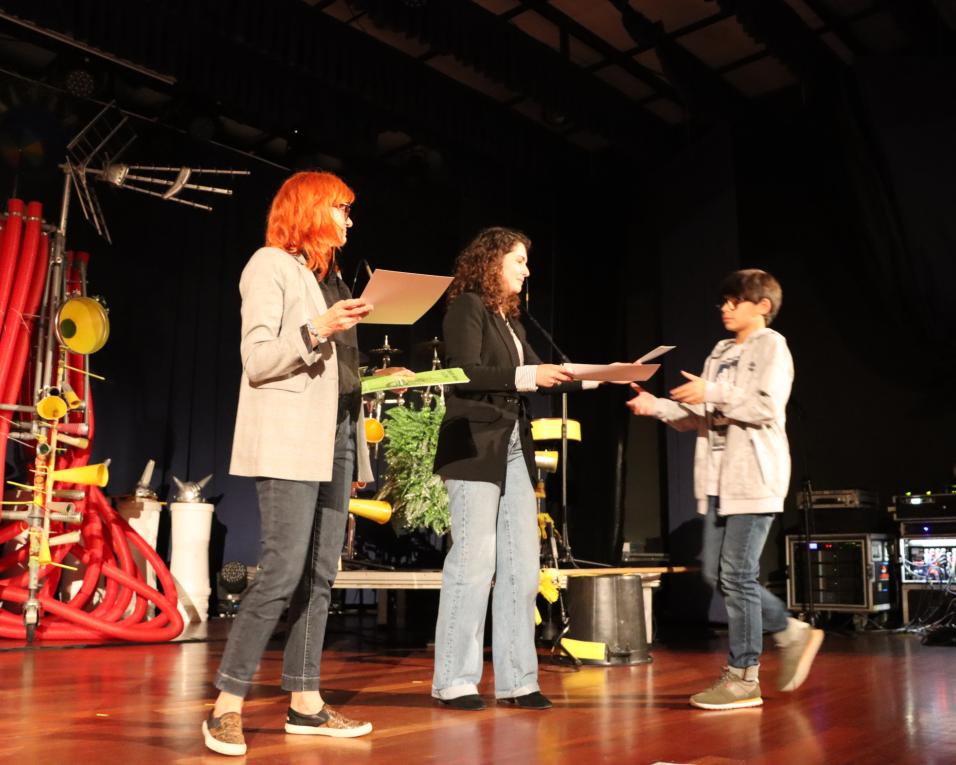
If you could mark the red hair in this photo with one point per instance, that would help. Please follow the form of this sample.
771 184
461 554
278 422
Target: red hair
300 218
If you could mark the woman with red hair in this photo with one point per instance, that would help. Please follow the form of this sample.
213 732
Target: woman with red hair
300 433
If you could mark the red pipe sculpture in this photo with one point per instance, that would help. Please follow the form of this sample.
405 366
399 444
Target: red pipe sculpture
105 537
9 248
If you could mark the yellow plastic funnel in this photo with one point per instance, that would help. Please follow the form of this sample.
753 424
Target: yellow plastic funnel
373 509
91 475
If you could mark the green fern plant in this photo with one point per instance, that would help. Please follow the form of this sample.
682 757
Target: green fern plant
418 496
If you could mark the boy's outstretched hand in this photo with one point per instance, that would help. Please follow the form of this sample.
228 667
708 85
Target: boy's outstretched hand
690 392
643 403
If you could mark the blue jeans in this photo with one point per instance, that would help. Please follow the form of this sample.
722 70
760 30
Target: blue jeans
494 536
731 562
303 527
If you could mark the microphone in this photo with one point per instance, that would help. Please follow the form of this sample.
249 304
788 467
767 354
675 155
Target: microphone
358 269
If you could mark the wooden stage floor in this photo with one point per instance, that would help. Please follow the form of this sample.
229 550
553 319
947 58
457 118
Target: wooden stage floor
879 698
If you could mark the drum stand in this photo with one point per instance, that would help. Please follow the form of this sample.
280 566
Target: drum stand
567 557
546 462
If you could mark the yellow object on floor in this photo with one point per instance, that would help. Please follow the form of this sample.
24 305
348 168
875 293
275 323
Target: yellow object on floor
585 649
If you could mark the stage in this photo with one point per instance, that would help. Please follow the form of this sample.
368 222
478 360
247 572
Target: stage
880 698
400 581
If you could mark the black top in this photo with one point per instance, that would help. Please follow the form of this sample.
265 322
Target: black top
346 341
481 414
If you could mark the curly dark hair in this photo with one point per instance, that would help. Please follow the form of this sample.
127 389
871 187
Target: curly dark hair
478 268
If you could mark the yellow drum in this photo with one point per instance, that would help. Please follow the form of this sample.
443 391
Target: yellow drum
546 461
549 429
82 324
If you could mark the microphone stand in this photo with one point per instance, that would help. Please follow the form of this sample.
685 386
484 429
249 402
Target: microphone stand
567 556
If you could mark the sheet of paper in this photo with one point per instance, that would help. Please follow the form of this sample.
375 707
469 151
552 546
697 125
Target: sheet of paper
612 372
451 376
660 350
400 297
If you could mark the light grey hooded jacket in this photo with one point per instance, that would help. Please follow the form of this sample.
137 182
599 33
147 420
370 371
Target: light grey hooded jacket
755 466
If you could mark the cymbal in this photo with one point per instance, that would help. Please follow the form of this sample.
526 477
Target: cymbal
430 346
386 350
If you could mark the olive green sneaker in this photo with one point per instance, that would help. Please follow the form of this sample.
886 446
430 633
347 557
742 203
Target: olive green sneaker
736 689
798 646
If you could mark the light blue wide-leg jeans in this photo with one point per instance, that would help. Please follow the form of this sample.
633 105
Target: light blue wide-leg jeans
494 537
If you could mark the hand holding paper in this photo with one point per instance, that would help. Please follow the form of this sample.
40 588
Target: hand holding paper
620 372
450 376
341 315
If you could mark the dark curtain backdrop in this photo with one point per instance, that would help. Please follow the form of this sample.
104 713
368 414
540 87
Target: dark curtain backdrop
849 203
171 282
694 222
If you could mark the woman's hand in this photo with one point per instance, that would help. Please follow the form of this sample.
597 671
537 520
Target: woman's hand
643 403
691 392
402 371
393 371
549 375
620 364
342 315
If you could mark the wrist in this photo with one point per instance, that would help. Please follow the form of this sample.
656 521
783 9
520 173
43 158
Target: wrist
314 332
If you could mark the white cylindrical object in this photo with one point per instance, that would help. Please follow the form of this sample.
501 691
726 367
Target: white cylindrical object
143 516
191 527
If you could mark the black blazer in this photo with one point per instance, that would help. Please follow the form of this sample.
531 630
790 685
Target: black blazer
481 414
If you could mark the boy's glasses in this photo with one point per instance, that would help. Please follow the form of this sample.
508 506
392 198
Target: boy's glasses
732 302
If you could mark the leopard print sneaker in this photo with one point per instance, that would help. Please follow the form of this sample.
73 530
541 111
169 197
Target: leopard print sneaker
224 734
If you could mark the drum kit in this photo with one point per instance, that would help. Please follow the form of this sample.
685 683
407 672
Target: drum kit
375 509
547 461
375 405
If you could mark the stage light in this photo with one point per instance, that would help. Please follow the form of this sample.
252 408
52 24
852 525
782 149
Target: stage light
80 83
232 582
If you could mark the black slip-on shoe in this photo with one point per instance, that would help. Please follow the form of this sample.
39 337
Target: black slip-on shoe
533 700
470 703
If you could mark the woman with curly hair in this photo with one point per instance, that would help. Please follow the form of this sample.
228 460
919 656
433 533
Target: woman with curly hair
300 433
486 457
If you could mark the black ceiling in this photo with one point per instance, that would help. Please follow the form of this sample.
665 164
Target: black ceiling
293 80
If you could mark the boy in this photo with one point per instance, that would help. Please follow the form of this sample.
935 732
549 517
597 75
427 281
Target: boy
741 476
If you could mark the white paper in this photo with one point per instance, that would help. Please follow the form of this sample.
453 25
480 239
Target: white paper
660 350
612 372
400 297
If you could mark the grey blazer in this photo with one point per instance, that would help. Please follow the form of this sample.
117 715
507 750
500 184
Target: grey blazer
288 395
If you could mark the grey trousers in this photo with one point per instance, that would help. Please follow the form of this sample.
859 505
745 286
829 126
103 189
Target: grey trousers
303 527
